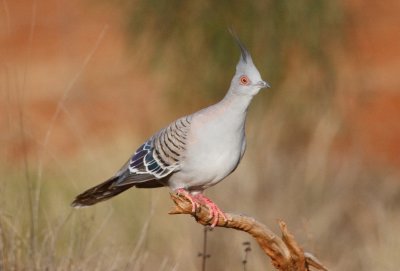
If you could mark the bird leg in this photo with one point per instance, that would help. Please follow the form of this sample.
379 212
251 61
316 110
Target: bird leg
215 211
193 201
199 199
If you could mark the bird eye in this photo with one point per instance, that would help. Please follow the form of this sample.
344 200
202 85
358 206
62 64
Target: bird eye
244 80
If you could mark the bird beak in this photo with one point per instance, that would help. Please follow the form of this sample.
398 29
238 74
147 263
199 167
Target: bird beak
263 84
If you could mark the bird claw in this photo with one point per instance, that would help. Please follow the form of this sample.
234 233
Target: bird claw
215 211
197 200
183 192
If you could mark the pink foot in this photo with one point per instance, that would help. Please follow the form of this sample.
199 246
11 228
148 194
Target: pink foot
193 201
215 211
198 199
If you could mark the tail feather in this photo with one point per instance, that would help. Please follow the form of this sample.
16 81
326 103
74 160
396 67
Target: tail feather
100 193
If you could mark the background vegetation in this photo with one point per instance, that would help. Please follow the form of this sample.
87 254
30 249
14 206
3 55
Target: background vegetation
83 84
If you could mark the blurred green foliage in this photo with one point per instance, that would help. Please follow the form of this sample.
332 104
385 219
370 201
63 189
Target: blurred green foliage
203 55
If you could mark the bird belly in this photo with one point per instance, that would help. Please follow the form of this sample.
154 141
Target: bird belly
199 175
208 162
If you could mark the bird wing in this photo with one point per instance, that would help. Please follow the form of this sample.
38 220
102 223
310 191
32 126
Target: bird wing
158 157
155 160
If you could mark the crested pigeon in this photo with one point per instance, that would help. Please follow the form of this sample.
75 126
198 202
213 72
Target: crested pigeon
194 152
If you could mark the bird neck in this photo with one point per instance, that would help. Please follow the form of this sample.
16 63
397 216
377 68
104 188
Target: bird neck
237 102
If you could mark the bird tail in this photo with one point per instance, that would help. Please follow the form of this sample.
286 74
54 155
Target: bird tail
99 193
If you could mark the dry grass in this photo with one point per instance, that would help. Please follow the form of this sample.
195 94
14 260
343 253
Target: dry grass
345 212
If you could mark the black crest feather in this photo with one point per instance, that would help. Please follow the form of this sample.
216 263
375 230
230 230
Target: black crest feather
244 52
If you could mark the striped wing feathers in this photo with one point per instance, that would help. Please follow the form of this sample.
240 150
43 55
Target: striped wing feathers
161 155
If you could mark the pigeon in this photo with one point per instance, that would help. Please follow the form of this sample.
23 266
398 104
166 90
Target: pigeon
194 152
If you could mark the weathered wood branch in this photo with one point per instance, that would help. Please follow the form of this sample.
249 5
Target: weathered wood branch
284 251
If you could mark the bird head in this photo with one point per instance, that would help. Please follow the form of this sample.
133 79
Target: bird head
247 79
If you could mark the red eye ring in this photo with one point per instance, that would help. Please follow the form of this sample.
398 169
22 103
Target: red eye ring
244 80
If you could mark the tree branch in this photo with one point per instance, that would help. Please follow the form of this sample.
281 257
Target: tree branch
284 252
